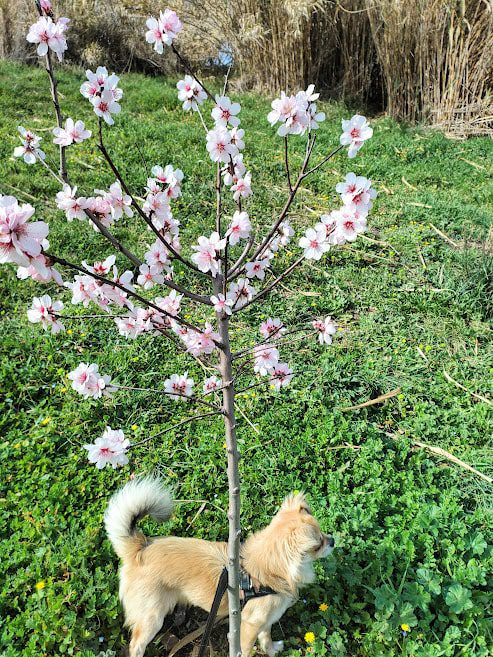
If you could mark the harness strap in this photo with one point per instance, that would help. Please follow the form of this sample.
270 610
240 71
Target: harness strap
250 589
220 591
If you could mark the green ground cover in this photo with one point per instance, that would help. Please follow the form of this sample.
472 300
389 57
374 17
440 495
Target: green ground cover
414 532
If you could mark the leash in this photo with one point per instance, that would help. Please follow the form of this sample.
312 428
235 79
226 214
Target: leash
249 589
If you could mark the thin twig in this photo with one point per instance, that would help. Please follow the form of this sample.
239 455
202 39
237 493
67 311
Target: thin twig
286 163
178 424
166 392
267 289
189 68
372 402
473 394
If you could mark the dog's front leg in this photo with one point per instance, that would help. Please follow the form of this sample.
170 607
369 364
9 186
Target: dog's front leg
271 648
248 635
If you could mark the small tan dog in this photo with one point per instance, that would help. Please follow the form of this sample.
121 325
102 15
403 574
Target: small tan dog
159 573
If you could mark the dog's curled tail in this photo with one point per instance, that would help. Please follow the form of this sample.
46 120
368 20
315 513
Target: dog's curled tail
137 499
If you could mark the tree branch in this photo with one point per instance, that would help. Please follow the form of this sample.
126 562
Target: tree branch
189 68
137 207
267 289
130 293
58 112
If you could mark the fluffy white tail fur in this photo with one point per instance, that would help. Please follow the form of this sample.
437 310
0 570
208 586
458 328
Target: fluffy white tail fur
137 499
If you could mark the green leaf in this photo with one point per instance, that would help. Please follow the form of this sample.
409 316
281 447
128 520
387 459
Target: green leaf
458 598
406 615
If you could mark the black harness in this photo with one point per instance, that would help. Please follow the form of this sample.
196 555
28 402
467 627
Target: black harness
248 590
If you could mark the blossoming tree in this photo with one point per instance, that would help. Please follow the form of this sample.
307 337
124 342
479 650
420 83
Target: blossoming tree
232 264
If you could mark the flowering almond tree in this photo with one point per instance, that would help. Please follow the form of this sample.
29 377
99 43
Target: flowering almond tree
232 263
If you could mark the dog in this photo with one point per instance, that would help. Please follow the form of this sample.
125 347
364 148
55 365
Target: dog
159 573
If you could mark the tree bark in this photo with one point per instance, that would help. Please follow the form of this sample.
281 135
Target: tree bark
226 370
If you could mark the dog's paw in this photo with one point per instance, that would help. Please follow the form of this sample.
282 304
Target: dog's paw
277 646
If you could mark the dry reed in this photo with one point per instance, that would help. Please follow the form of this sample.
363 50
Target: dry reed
429 60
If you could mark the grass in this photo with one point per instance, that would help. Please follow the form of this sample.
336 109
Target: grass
414 532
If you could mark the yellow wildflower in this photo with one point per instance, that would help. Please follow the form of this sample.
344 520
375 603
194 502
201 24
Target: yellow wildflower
405 627
134 427
45 421
40 585
323 607
309 637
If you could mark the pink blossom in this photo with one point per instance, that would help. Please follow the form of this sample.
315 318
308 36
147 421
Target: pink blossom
101 207
163 30
29 150
149 276
314 243
235 168
47 34
73 133
224 113
291 112
239 228
257 269
105 105
157 204
242 187
349 223
355 132
241 292
272 327
327 223
109 449
211 383
286 232
73 206
170 177
179 386
45 6
237 135
325 329
40 270
281 375
356 191
87 381
101 267
201 342
221 304
99 81
133 324
171 303
19 240
190 93
219 145
266 358
44 310
157 255
207 253
314 117
120 203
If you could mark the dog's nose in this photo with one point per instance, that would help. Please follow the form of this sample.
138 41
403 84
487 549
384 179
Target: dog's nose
330 541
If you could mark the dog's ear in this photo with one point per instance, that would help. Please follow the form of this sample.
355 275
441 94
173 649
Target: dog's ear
296 502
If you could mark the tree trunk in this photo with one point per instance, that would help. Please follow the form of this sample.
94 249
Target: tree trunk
226 370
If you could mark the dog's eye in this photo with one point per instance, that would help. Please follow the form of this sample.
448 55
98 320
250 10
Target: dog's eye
306 510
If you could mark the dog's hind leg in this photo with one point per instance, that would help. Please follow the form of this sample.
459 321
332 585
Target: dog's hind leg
149 620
